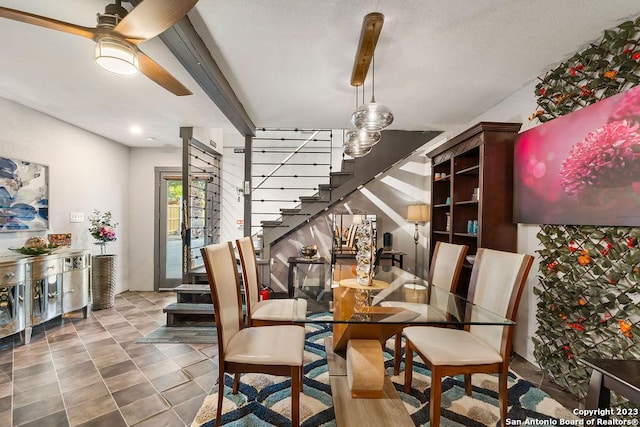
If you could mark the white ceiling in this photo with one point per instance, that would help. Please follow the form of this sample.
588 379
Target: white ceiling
438 64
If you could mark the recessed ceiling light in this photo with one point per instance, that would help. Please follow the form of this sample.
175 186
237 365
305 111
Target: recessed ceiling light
136 130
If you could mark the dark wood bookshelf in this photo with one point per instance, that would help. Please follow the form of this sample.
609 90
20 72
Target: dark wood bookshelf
480 157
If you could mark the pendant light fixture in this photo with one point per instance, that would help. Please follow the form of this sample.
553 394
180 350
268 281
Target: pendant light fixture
371 117
355 150
362 137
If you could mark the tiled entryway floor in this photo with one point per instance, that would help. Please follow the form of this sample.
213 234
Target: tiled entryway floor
91 372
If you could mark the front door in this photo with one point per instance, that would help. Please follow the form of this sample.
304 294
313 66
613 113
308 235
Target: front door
204 218
169 225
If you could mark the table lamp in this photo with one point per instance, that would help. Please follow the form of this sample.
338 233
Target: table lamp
417 213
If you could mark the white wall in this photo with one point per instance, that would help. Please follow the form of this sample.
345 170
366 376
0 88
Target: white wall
141 193
86 172
232 179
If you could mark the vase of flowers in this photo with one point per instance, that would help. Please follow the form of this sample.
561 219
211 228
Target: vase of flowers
103 229
103 278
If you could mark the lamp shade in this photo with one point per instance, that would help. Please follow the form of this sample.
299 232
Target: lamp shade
372 117
354 150
362 138
418 213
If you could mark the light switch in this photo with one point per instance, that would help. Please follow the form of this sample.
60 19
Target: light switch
76 217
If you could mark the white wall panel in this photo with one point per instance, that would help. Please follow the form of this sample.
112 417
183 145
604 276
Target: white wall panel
86 172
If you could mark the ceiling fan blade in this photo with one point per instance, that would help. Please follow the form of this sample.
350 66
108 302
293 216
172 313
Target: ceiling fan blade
152 17
42 21
155 72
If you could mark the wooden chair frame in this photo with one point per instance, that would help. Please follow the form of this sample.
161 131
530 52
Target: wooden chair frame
249 264
501 368
248 286
452 289
295 372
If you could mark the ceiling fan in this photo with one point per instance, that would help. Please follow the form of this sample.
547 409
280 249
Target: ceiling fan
119 32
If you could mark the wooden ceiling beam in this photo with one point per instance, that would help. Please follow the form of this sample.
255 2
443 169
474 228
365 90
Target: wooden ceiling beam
187 46
371 27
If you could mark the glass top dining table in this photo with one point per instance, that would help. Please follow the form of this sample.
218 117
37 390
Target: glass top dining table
364 317
395 297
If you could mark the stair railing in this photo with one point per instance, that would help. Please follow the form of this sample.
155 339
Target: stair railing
287 164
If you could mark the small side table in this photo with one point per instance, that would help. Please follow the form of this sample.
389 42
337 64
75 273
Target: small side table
394 256
621 376
293 263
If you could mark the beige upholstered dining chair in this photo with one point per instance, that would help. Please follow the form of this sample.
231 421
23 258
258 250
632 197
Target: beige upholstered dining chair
497 281
266 312
444 273
275 350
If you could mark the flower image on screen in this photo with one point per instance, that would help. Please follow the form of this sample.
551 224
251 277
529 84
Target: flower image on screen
582 168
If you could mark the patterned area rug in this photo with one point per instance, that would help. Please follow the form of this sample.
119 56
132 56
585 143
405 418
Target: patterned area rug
181 335
264 400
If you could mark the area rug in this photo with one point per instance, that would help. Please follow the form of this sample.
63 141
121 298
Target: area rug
181 335
264 400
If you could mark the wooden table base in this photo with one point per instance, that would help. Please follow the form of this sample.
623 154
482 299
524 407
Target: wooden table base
365 368
386 411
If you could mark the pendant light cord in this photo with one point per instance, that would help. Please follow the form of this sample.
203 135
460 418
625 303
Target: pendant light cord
373 69
356 97
373 78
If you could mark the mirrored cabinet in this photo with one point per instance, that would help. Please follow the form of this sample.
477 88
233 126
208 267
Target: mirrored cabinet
37 289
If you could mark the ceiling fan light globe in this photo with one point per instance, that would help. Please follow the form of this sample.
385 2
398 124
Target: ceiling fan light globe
116 56
372 117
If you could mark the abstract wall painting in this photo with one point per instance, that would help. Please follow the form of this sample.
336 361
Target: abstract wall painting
24 196
582 168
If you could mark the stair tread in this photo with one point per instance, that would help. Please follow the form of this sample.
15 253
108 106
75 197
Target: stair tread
189 288
292 212
315 199
188 308
340 173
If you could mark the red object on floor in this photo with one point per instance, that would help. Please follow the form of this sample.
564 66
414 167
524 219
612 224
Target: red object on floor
264 294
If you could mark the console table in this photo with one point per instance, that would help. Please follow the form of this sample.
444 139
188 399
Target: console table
35 289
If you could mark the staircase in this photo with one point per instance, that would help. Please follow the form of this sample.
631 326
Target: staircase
354 173
193 307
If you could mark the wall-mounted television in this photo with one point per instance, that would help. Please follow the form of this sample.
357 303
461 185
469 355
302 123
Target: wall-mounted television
582 168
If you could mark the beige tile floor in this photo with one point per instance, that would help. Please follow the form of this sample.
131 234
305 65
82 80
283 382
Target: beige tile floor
91 372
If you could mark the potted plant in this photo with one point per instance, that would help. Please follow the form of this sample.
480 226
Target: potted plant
103 282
